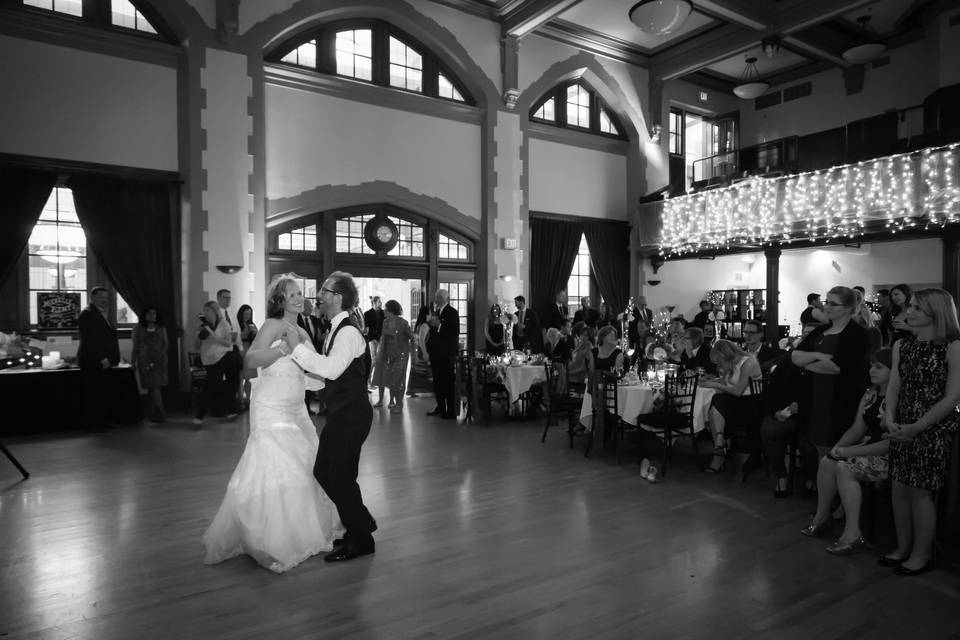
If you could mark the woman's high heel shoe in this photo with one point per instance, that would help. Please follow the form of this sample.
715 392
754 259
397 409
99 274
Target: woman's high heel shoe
815 530
719 454
846 548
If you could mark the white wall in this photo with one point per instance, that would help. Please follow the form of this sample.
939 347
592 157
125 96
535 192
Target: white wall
575 181
314 140
479 36
76 105
909 78
685 282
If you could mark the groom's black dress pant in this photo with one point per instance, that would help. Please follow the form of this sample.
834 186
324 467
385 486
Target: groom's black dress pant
338 460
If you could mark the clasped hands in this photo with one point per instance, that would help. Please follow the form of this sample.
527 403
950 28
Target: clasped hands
292 338
902 432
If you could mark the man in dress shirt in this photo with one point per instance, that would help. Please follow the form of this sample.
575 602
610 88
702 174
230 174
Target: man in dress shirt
768 357
442 345
344 364
526 330
554 314
98 351
233 363
586 314
696 354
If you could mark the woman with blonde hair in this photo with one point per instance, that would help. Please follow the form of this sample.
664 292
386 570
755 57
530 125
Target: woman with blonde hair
922 419
733 401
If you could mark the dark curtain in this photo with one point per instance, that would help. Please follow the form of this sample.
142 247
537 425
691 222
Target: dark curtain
609 245
23 192
128 226
553 249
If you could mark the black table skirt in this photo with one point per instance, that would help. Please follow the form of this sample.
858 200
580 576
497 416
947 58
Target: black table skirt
35 401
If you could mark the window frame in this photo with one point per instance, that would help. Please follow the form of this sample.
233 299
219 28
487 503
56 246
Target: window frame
680 134
99 14
325 35
597 104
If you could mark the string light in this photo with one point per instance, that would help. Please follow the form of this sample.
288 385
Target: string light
901 192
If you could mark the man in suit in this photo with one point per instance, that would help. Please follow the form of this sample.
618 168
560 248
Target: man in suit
753 343
233 363
586 314
553 315
442 345
373 320
98 351
526 329
344 364
695 354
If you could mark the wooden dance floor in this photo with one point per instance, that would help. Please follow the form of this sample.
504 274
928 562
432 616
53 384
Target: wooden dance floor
484 533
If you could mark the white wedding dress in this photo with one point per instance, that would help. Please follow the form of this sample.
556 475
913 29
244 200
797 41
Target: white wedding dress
274 510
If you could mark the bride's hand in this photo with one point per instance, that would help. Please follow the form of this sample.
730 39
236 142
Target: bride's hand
291 338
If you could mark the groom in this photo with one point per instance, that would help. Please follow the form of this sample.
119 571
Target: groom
345 364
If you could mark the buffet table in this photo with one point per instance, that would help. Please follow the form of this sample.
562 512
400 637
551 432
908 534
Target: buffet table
42 400
636 399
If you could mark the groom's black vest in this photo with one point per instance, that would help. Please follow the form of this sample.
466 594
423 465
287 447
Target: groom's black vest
348 393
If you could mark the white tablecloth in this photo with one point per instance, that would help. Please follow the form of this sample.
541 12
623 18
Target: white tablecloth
519 378
633 400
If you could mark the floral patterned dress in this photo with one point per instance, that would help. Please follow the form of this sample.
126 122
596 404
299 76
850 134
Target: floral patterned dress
922 462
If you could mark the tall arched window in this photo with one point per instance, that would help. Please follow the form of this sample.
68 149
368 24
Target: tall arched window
132 16
575 105
376 52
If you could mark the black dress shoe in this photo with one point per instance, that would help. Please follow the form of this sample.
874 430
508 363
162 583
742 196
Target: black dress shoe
901 570
338 542
885 561
349 551
435 412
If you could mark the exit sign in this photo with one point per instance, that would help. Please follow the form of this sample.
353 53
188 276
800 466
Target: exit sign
704 96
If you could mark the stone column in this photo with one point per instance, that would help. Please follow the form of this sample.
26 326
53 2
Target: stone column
773 294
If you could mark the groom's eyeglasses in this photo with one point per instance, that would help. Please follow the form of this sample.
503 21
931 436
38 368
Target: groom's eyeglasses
330 291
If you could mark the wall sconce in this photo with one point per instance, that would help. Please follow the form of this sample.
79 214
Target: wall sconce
228 268
506 277
653 283
655 133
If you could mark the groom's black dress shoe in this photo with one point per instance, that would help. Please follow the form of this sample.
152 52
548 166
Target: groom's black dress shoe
338 542
351 550
435 412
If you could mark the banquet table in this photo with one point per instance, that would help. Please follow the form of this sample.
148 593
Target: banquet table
39 400
636 399
518 378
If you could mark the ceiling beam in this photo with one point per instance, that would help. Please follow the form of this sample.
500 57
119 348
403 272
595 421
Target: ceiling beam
743 13
593 42
532 14
735 38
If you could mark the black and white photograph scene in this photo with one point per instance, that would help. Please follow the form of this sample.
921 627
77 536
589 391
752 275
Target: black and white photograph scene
479 319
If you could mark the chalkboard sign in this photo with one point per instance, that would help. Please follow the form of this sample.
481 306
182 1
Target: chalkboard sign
58 310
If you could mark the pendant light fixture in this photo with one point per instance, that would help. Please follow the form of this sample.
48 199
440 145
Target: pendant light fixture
660 17
870 50
751 84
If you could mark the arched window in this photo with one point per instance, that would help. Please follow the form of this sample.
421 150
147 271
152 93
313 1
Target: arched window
351 237
376 52
300 239
450 249
578 284
133 16
576 106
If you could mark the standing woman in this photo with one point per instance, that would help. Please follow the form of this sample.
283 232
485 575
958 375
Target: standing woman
895 320
214 344
248 331
495 332
836 356
396 343
150 358
921 419
606 317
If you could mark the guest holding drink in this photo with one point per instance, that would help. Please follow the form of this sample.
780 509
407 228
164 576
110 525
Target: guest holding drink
922 418
495 332
215 344
150 358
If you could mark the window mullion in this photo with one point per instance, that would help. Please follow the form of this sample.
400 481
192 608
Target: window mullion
560 106
594 112
380 49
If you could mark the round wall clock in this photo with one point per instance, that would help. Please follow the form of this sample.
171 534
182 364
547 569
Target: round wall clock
381 234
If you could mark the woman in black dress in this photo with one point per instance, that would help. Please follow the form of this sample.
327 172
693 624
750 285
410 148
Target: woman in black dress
894 321
836 356
495 332
608 356
922 418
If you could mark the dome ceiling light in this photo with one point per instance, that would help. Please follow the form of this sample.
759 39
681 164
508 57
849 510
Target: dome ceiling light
660 17
870 50
751 84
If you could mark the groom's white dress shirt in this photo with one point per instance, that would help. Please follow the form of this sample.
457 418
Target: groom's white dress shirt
349 344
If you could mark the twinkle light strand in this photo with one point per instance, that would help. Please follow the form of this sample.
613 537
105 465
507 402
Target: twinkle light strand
903 192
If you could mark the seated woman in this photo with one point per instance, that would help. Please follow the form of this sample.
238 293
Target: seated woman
581 361
733 402
859 456
608 356
786 398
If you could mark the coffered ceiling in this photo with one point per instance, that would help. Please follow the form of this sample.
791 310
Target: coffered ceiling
802 36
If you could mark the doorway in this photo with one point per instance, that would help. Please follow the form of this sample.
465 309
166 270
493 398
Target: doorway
407 291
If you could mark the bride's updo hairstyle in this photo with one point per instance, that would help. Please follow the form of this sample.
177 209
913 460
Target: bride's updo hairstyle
277 294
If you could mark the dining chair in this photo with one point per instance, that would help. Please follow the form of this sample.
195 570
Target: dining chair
560 399
674 417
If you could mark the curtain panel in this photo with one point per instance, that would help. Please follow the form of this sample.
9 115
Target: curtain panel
553 250
23 192
129 225
609 244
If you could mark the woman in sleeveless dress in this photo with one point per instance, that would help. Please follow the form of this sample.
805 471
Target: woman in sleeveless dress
495 332
922 418
608 356
274 510
733 403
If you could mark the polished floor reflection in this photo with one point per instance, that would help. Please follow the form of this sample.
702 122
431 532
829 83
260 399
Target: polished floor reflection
484 533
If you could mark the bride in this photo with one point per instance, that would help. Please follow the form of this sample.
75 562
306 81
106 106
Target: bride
274 510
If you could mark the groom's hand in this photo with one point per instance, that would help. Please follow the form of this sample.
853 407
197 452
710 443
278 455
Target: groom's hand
291 338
